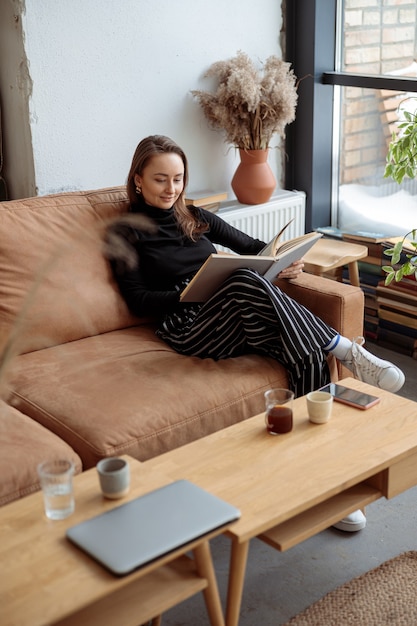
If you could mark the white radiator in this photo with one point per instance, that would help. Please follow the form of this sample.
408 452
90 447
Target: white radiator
263 221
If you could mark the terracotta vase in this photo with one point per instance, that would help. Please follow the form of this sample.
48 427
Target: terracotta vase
253 181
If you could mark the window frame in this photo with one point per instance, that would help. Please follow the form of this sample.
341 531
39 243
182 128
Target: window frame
311 47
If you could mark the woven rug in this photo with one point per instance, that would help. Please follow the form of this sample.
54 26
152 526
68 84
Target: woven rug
384 596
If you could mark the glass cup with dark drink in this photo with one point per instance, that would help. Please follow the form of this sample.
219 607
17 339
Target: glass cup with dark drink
278 411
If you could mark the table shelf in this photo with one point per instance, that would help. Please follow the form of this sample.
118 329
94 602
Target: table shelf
316 519
144 598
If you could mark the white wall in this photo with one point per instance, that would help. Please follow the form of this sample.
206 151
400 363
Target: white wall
106 73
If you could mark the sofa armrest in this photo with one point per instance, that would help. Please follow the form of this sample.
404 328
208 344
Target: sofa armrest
338 304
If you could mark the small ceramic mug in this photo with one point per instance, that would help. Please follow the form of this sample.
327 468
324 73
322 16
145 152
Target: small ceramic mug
114 477
319 406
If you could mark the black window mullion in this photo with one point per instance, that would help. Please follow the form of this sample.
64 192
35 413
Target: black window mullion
310 48
370 81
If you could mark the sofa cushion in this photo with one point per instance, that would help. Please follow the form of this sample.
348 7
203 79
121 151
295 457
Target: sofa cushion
128 392
52 263
24 444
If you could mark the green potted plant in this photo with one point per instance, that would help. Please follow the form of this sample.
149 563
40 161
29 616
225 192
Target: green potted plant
250 105
401 161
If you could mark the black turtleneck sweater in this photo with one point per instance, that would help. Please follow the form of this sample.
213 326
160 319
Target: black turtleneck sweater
166 258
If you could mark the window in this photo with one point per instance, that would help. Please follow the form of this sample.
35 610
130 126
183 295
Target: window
356 63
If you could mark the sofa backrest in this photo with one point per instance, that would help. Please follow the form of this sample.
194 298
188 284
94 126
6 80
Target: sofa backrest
52 269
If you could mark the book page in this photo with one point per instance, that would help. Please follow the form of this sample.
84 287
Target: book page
292 243
271 248
291 251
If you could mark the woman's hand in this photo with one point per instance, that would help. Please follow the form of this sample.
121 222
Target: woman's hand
293 270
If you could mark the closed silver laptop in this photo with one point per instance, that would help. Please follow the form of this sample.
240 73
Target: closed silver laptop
151 526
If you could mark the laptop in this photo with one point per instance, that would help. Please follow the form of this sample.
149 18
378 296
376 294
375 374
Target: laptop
142 530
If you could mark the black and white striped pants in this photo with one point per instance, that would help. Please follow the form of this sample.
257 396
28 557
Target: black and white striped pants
249 314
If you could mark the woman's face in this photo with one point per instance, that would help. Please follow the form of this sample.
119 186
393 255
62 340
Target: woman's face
162 180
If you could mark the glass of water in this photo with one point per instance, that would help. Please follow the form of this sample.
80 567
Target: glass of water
56 482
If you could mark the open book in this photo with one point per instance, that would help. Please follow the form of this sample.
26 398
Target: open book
269 262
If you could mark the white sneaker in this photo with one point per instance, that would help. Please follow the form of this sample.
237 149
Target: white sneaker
352 523
373 370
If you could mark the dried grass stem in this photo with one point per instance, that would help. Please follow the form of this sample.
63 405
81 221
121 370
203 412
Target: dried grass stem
250 106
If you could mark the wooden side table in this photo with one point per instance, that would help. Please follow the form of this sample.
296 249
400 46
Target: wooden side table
45 580
329 254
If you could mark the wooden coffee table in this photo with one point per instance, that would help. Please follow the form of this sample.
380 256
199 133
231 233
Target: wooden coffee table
290 487
46 580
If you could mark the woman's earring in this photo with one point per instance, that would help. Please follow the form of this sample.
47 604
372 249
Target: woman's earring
138 190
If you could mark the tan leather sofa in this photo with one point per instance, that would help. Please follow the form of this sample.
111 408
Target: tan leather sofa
91 377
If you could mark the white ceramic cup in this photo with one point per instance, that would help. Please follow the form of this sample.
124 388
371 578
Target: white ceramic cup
114 477
319 406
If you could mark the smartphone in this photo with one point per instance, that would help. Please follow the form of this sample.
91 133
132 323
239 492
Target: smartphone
351 397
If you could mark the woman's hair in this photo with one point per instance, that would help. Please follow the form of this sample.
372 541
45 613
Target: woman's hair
146 149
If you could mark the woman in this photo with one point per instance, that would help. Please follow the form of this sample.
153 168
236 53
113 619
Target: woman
248 314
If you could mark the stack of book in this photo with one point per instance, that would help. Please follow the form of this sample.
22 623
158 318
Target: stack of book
370 275
207 199
390 311
397 315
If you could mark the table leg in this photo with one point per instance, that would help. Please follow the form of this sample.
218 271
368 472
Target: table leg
238 559
205 568
354 274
